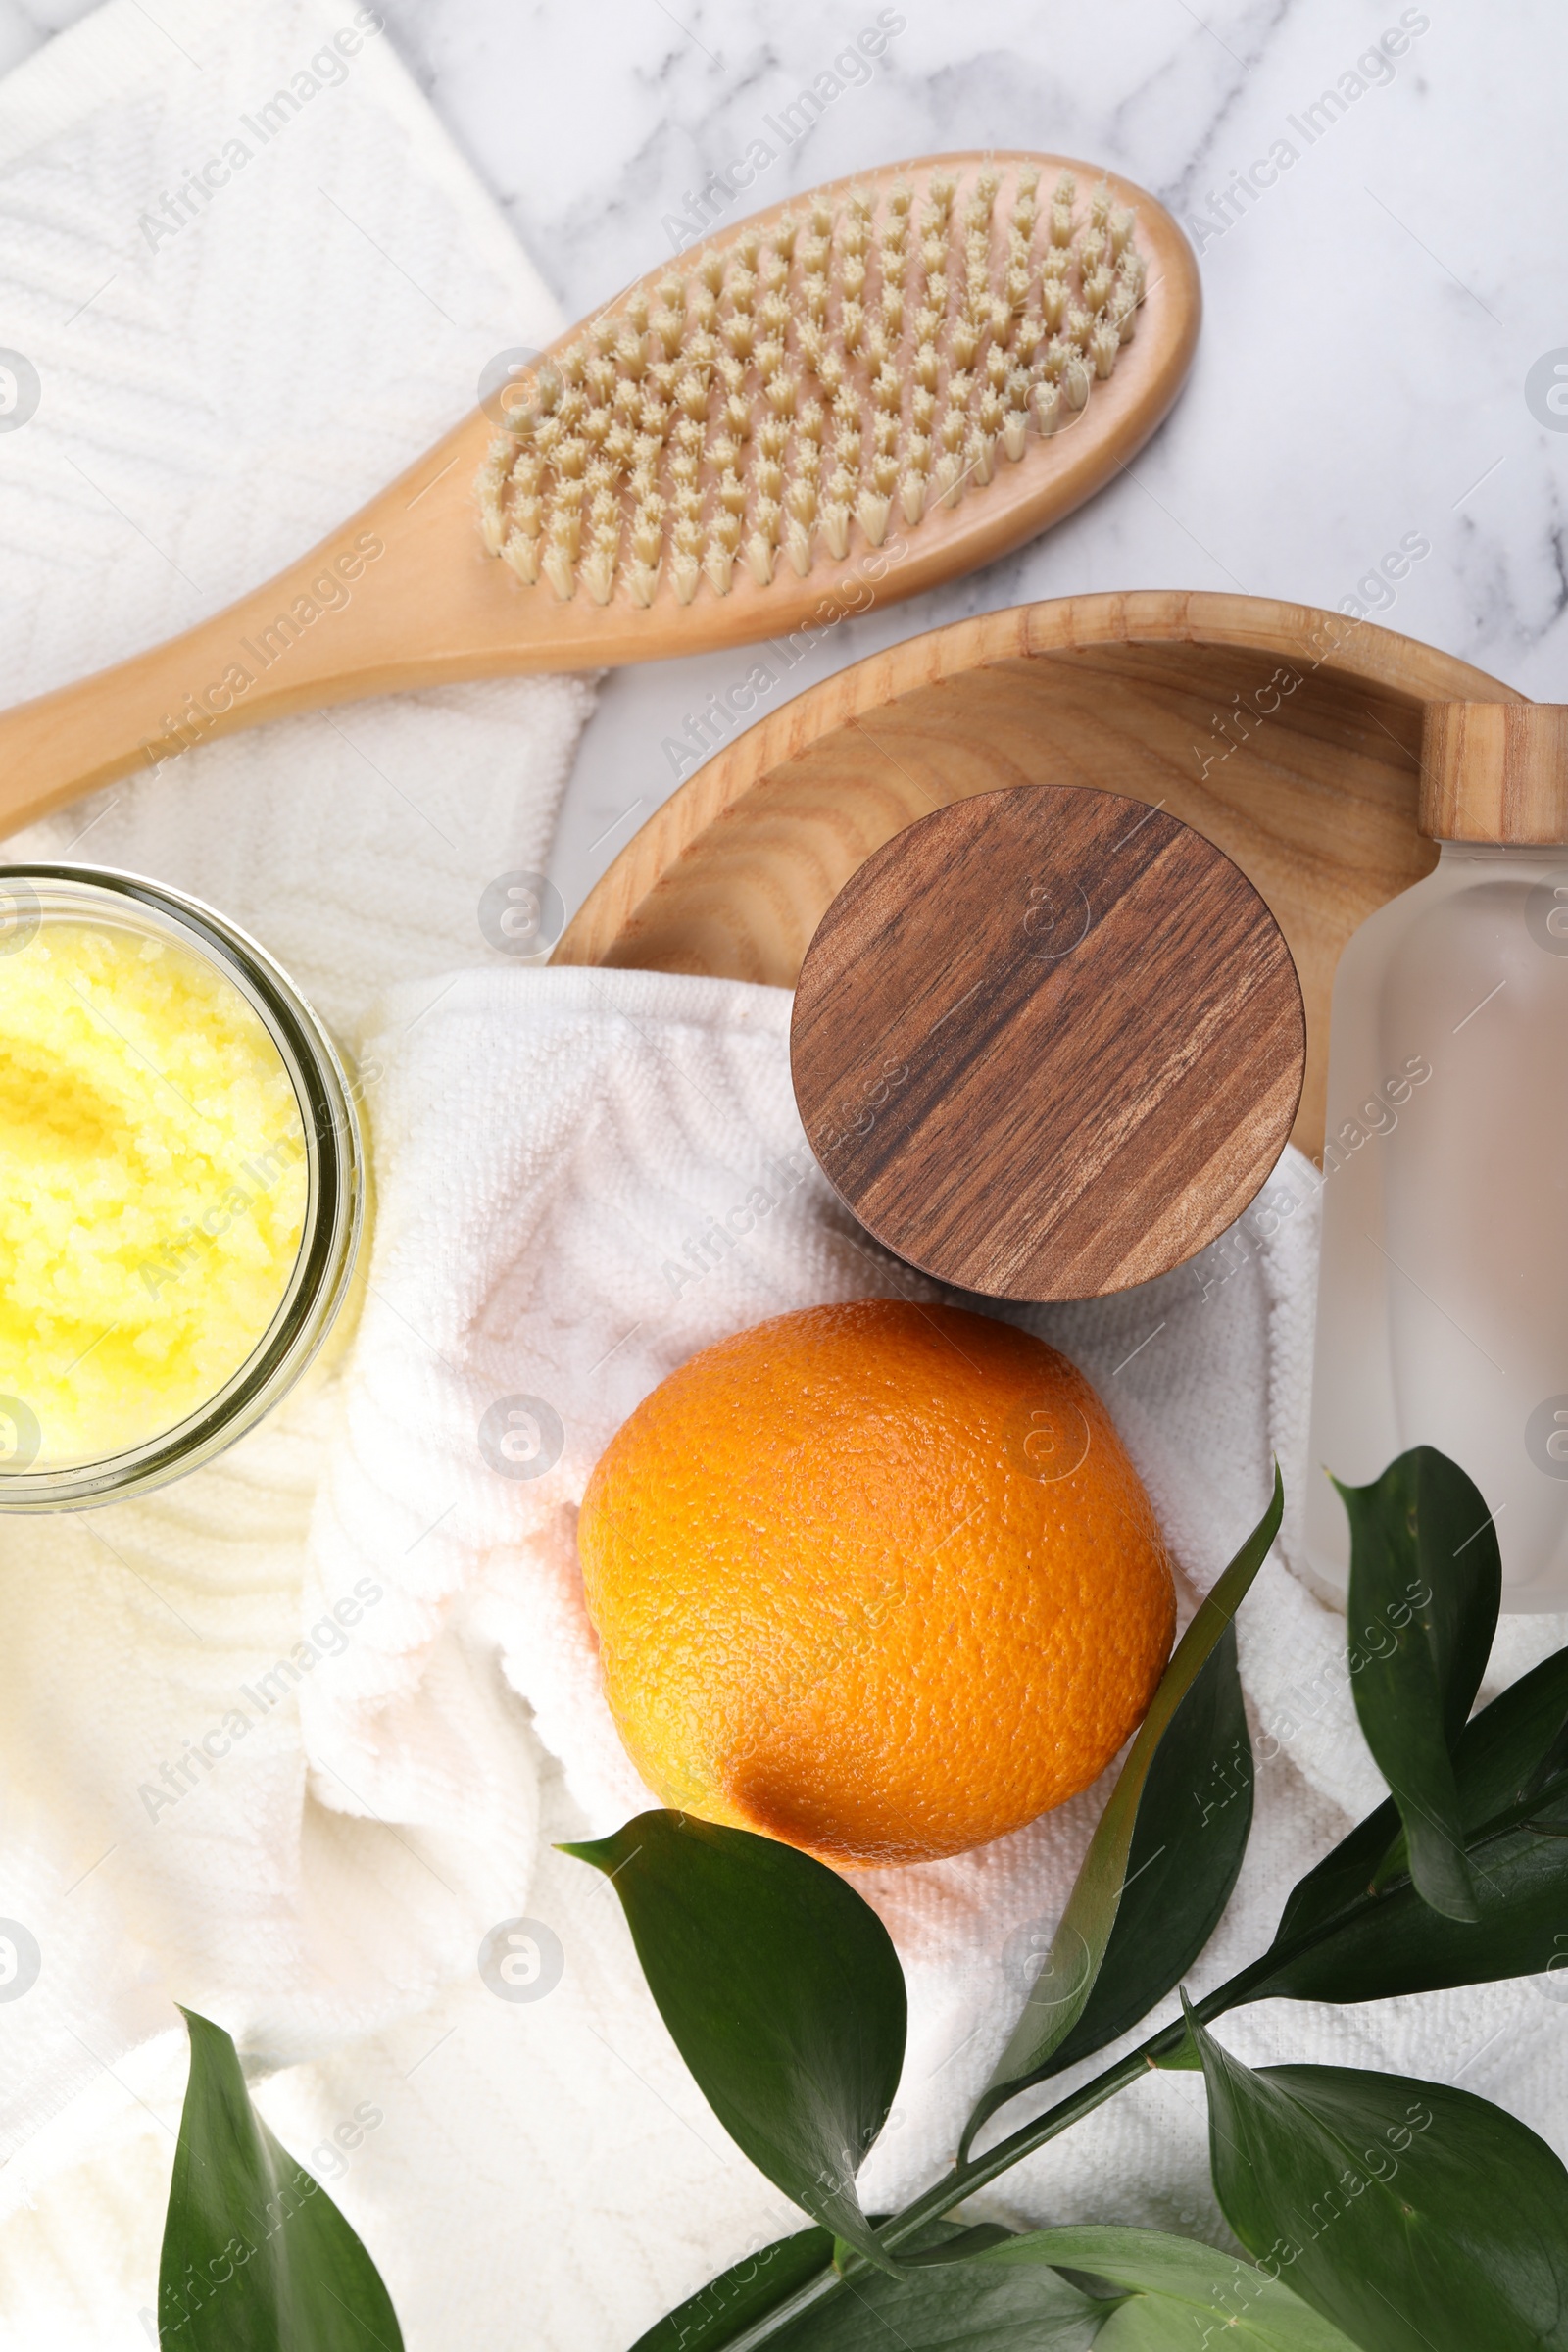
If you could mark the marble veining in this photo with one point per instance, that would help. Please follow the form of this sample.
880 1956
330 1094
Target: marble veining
1375 191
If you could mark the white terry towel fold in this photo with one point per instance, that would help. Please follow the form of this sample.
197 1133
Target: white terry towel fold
594 1174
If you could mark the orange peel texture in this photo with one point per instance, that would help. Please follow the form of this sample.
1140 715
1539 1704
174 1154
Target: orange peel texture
876 1579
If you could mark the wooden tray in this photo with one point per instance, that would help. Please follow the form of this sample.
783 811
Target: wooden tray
1289 736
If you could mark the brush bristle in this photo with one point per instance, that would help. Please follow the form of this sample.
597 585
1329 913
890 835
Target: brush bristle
836 373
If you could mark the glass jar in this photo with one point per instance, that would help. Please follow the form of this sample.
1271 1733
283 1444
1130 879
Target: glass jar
133 921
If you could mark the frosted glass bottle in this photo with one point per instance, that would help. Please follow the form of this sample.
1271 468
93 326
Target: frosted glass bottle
1443 1291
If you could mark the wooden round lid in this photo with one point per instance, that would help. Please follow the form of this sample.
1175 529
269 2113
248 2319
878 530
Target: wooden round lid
1047 1043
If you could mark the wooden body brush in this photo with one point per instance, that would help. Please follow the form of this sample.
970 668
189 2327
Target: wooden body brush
846 399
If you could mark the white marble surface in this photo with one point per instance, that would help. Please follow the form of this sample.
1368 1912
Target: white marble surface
1371 318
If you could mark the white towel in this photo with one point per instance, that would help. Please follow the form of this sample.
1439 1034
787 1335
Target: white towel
546 1146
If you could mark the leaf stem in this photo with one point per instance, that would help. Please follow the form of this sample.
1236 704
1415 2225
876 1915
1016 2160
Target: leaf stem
965 2179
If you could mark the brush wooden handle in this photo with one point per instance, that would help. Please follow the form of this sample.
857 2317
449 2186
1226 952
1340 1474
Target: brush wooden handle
404 594
345 621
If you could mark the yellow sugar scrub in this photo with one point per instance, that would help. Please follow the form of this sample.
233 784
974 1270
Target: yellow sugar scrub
175 1231
151 1184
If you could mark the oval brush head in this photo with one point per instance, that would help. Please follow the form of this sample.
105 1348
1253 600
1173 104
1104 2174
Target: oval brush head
851 373
843 401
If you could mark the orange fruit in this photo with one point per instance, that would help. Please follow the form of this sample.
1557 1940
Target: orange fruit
878 1580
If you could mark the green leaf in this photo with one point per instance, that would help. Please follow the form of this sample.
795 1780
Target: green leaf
1189 1838
965 2303
747 2291
1553 1764
1392 1943
1192 1857
1511 1749
1426 1584
1416 2217
1338 1940
955 2241
939 2303
1183 2294
1514 1744
1342 1879
257 2258
782 1992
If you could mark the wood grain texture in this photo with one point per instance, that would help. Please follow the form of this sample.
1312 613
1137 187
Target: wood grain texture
431 606
1314 798
1495 772
1047 1043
